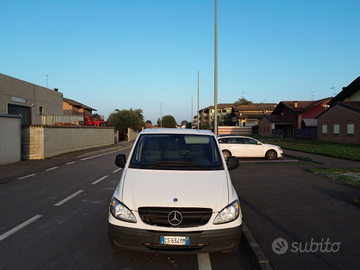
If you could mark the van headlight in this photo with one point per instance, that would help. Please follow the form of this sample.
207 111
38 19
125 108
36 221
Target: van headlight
228 214
120 211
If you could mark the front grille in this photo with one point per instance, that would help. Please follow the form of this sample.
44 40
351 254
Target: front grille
191 217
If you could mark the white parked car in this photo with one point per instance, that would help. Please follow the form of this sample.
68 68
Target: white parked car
175 195
242 146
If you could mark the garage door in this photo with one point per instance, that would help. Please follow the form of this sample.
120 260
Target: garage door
21 110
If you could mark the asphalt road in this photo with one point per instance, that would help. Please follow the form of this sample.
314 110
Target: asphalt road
301 220
54 216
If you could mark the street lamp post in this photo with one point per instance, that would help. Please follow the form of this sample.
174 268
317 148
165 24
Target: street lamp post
198 114
160 114
215 74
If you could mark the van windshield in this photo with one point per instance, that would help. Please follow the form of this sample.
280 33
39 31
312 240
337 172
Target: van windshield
176 151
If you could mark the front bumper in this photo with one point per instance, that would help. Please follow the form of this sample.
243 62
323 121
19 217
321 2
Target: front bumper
224 240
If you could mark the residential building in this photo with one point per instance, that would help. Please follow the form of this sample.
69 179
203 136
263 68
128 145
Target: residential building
250 115
72 107
299 121
271 123
224 114
341 122
230 115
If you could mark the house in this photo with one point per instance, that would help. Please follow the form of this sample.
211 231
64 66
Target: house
72 107
250 115
302 115
224 114
269 123
229 115
341 122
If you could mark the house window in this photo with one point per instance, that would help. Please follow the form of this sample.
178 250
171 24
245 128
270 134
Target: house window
267 129
336 129
350 129
324 129
41 110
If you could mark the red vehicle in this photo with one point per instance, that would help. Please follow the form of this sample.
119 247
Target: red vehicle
89 122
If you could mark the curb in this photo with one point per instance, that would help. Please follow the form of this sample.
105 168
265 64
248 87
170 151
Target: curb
257 256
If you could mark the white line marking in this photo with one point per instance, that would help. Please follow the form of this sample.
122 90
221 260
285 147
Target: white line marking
69 198
97 181
53 168
19 227
204 261
117 170
117 150
98 155
30 175
72 162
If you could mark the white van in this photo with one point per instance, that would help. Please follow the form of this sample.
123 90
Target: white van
175 195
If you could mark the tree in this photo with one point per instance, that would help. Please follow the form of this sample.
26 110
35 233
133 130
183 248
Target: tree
227 120
242 101
189 125
96 117
205 126
139 113
184 122
124 119
168 121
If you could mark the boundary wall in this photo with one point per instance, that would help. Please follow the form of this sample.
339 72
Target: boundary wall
234 130
132 134
39 142
10 138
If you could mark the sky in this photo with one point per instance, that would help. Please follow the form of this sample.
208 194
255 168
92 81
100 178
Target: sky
146 54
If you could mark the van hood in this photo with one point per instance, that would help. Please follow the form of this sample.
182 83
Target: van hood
173 188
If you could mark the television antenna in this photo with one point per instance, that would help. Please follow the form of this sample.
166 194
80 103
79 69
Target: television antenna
334 90
312 94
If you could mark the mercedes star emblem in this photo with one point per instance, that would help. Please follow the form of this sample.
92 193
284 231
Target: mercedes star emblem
175 218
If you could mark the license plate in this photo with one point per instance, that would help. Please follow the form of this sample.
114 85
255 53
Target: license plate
175 240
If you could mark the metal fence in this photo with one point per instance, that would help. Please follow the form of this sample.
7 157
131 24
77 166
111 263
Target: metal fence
68 119
309 133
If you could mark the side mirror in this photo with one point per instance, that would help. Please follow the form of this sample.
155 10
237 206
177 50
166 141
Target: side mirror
120 160
232 163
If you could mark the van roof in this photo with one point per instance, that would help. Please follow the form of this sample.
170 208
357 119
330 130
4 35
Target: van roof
177 131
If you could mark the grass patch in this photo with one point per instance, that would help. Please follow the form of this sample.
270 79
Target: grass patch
349 176
330 149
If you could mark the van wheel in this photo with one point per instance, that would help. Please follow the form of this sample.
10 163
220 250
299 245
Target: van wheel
271 154
226 154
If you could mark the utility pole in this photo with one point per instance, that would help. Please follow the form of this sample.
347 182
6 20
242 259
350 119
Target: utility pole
192 115
215 75
161 115
198 112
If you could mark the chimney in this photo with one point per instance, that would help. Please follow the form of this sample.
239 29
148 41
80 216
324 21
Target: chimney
295 104
55 89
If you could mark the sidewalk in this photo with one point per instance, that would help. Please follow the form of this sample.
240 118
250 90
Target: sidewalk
327 161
